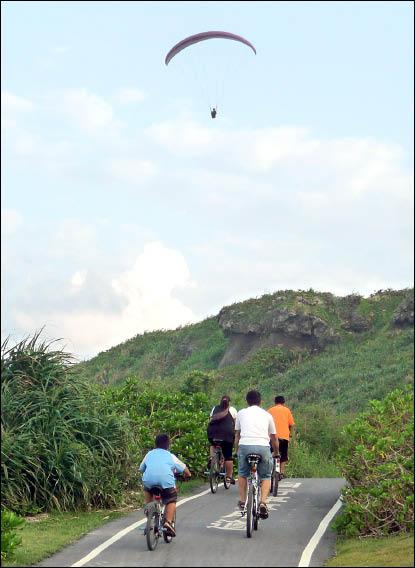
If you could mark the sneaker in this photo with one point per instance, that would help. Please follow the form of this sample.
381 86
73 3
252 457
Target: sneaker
241 506
263 511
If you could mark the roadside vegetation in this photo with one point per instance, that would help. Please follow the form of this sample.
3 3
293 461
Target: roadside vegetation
62 447
377 460
384 551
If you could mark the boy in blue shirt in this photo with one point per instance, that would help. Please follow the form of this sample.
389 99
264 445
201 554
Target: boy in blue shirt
159 467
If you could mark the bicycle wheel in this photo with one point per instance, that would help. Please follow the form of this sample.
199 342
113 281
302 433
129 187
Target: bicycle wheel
214 474
250 512
255 512
152 532
168 538
226 483
271 490
274 482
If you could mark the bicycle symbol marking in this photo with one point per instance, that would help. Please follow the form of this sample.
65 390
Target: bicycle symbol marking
234 522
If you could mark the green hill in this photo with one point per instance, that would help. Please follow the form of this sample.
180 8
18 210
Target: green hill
314 347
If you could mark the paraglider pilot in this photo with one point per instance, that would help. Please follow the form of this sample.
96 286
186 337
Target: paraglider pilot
213 112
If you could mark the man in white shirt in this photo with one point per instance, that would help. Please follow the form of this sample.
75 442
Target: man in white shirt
254 428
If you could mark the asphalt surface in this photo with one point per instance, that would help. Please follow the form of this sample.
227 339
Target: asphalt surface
211 532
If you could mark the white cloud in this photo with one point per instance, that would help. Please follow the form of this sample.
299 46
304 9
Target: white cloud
15 103
11 221
148 289
284 162
74 241
90 113
184 137
126 96
24 144
131 170
14 110
59 49
78 279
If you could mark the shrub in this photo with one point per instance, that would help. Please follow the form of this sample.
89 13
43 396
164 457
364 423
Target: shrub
10 540
182 416
377 460
196 381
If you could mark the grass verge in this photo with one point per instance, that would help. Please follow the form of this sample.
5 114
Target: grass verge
44 535
386 551
187 487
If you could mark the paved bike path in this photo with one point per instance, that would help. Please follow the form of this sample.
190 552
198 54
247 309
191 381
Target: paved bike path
211 532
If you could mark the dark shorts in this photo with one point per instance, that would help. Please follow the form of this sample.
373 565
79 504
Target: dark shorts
283 449
227 448
168 495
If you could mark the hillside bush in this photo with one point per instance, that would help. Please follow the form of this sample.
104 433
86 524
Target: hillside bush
376 458
10 540
197 381
183 416
61 447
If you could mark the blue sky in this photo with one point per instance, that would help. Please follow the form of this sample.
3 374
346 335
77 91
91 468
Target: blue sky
126 208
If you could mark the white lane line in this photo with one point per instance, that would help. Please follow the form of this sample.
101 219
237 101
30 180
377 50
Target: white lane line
315 539
94 553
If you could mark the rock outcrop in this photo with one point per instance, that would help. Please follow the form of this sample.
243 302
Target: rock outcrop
275 327
404 313
352 320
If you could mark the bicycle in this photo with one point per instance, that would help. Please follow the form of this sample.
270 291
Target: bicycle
217 468
251 508
275 476
155 520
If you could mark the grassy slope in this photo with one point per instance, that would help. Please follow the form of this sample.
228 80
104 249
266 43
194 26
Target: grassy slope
350 374
345 376
388 551
159 354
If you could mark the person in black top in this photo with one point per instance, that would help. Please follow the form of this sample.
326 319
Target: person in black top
222 427
213 112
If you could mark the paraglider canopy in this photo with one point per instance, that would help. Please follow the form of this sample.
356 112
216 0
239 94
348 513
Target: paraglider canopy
202 37
214 68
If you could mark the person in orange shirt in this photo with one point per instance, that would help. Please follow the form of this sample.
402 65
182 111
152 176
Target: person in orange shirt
284 423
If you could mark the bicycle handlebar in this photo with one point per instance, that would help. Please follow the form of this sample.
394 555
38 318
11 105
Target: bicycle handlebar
181 477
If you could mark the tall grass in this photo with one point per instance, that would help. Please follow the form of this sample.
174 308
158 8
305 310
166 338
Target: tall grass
309 461
61 448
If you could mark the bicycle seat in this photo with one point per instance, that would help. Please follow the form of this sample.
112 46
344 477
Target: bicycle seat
156 490
254 458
